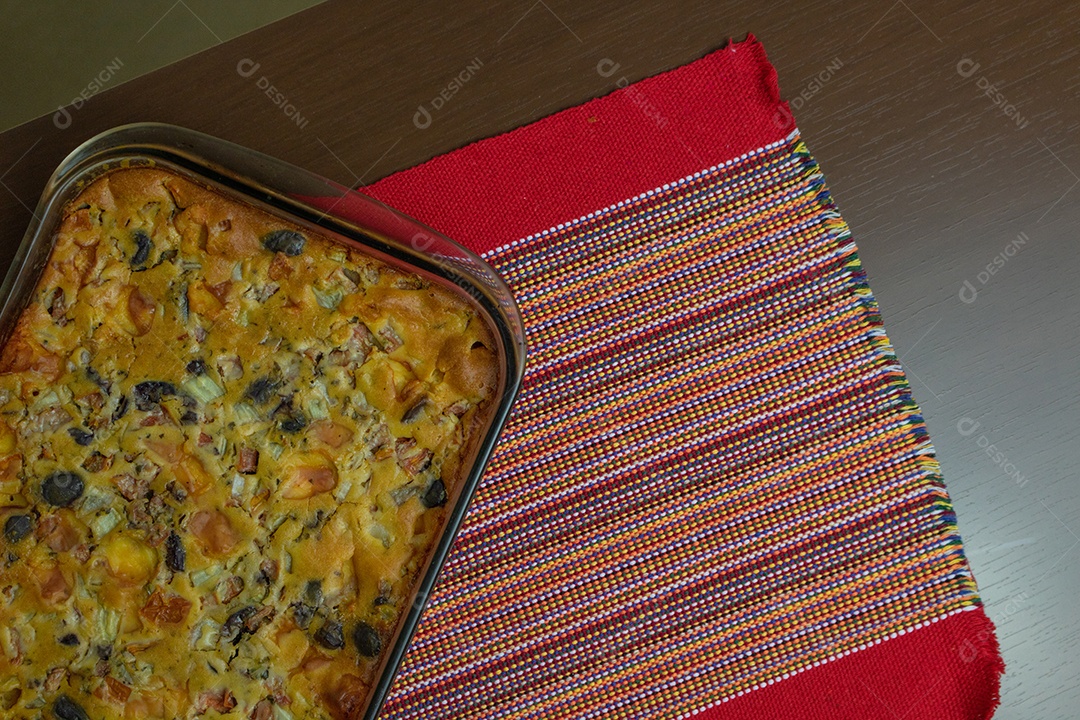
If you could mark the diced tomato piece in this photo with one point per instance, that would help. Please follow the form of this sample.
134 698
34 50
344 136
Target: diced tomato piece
22 354
141 310
305 481
247 460
214 531
53 586
117 690
162 609
333 434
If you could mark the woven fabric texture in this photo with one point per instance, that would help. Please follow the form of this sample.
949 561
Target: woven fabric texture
715 475
716 496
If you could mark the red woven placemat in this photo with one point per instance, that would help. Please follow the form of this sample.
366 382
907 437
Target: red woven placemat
716 497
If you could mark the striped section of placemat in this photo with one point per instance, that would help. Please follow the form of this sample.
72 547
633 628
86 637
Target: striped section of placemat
715 476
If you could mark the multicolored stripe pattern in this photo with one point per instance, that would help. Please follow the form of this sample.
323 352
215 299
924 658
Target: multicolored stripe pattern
715 475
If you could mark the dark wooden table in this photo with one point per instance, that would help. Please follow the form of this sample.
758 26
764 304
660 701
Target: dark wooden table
948 132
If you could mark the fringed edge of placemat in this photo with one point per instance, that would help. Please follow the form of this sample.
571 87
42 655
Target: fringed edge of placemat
976 644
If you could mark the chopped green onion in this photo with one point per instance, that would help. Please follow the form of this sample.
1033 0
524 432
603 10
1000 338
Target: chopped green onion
206 635
245 413
275 450
199 578
8 637
401 494
81 590
203 388
329 300
289 365
380 533
104 524
281 713
142 673
47 399
277 522
108 624
95 499
182 304
342 490
317 409
123 674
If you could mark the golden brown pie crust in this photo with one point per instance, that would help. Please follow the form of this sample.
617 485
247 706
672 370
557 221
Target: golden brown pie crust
226 443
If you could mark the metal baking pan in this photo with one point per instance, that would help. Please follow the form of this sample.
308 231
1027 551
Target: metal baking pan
310 201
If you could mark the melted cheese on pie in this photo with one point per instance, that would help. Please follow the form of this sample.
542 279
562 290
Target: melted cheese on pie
225 446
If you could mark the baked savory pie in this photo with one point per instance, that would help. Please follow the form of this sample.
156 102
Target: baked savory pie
226 444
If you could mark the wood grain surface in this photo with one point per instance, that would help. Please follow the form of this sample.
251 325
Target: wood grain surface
949 135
